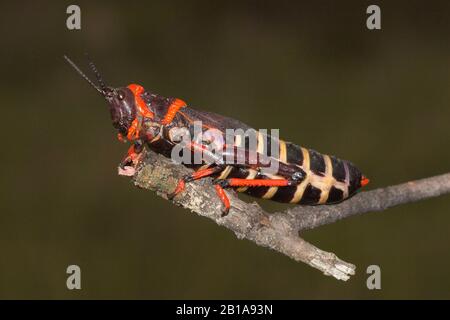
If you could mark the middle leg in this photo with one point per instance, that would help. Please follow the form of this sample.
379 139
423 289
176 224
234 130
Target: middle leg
199 174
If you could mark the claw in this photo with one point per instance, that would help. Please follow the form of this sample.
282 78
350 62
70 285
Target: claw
225 211
127 162
133 156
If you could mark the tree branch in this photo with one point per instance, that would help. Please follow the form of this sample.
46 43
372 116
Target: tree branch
304 218
278 231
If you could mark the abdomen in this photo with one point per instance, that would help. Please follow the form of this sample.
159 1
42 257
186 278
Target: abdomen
327 179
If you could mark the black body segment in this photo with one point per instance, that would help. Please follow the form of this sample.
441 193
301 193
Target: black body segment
338 169
335 195
311 195
317 162
294 154
285 194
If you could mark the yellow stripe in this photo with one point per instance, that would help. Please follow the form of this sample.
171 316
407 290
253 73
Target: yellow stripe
260 147
302 186
328 165
225 173
283 151
272 190
203 167
300 190
328 180
306 161
251 175
345 190
270 193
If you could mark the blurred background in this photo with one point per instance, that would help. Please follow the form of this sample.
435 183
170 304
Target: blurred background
312 69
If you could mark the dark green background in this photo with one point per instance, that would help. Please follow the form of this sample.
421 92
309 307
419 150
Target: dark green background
378 98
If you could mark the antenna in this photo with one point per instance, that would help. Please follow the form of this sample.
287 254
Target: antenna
85 77
97 74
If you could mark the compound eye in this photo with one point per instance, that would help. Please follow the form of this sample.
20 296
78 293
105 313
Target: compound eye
120 95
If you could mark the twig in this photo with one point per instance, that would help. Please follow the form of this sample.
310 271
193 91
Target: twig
304 218
279 231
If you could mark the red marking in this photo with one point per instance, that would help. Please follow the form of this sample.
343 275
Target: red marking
235 182
203 173
224 198
176 105
133 132
364 181
140 104
142 109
